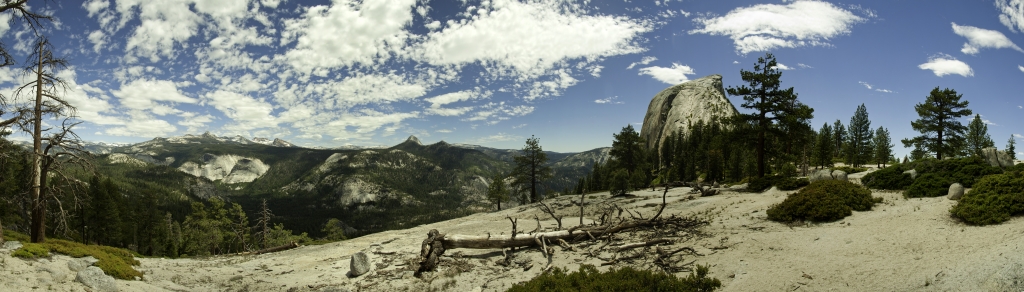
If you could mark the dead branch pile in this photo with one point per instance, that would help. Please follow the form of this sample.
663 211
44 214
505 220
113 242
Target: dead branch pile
659 231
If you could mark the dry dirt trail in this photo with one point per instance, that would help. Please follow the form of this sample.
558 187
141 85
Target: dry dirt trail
901 245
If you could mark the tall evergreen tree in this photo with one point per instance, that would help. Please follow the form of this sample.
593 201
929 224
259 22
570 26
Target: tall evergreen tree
859 139
770 103
628 151
825 147
496 192
978 137
941 132
1010 149
883 146
839 138
531 168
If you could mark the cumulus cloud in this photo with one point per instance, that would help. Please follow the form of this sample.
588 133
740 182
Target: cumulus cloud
609 100
1011 14
674 75
643 61
783 67
248 112
1021 68
499 137
979 38
766 27
947 65
155 96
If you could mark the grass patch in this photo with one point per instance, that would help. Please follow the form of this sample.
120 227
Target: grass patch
624 279
115 262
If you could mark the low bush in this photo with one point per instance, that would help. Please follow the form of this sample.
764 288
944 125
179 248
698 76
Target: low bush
791 183
851 170
759 184
993 200
624 279
823 201
962 170
928 185
115 262
889 178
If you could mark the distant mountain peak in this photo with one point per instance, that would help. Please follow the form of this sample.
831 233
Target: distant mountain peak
413 139
207 134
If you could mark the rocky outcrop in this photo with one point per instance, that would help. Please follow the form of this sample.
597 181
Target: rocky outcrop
676 107
956 190
997 158
825 174
229 168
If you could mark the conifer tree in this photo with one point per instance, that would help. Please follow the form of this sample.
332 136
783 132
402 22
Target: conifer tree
839 136
628 153
531 169
859 138
1010 149
941 131
496 192
771 103
824 147
978 137
883 146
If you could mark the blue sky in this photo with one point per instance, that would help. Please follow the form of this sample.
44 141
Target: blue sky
493 73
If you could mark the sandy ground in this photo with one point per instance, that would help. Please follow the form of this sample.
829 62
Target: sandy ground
900 245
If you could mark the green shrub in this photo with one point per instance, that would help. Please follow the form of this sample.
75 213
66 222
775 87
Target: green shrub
968 174
994 199
791 183
889 178
759 184
823 201
963 170
624 279
851 170
115 262
928 185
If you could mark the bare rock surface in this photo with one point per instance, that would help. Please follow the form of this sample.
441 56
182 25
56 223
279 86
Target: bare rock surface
229 168
825 174
997 158
900 245
676 107
96 279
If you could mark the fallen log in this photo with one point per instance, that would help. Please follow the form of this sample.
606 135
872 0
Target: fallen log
278 248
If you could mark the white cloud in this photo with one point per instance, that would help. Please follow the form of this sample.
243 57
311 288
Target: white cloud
865 84
1021 68
520 126
804 66
499 137
868 85
141 124
783 67
609 100
248 113
1011 14
884 90
643 61
675 75
766 27
979 38
946 65
438 101
165 24
525 41
448 112
444 131
347 33
735 62
155 96
495 112
364 122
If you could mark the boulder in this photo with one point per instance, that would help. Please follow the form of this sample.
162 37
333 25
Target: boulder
997 158
912 173
96 279
676 107
956 190
827 174
360 264
78 264
12 245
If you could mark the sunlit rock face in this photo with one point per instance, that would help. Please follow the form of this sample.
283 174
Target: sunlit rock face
228 168
676 107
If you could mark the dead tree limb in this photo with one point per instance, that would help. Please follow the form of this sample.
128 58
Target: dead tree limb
430 251
558 219
642 244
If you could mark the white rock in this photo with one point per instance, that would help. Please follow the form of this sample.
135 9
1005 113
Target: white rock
673 109
827 174
96 279
78 264
956 190
12 245
359 264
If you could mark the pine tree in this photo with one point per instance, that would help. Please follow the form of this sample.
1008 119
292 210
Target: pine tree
883 146
628 153
941 132
859 138
1010 149
496 192
825 147
978 137
839 136
770 103
531 169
